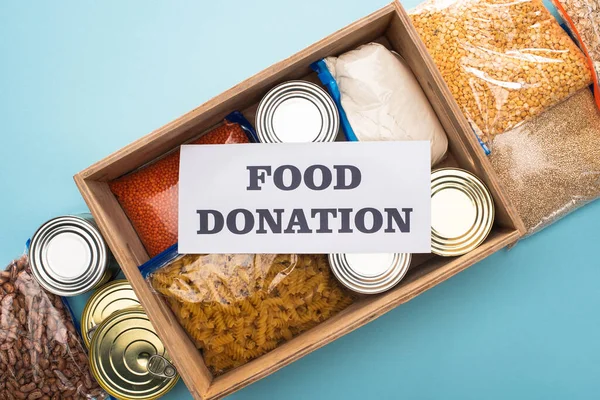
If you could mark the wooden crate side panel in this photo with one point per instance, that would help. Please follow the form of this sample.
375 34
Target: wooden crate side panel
405 39
112 221
130 253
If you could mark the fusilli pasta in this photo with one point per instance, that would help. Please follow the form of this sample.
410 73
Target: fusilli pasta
237 307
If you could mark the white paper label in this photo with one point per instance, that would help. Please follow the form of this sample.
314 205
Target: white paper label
341 197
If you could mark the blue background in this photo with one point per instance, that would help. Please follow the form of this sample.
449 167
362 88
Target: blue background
80 79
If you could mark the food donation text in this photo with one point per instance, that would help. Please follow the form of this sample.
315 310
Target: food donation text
241 221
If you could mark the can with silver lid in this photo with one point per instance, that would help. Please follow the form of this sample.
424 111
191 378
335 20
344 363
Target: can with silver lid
462 212
128 359
114 296
297 111
68 256
369 273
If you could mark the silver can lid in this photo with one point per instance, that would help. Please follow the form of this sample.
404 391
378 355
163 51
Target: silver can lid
68 255
299 112
369 273
462 212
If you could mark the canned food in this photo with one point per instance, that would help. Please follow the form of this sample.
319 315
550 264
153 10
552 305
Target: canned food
369 273
128 359
297 111
112 297
68 256
462 212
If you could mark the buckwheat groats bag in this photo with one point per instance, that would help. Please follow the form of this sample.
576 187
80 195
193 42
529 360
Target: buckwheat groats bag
550 165
504 62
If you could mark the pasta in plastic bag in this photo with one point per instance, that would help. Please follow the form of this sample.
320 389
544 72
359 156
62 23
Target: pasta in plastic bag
149 195
550 166
41 354
504 62
237 307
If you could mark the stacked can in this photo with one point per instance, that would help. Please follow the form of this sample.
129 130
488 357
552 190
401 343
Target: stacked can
69 257
369 273
110 298
462 212
297 111
128 359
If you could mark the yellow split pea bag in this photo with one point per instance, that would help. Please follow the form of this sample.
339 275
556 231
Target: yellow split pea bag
504 62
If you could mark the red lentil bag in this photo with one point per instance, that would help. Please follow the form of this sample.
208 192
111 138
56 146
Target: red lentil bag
149 195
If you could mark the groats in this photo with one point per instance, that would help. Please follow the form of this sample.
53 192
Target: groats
550 166
69 257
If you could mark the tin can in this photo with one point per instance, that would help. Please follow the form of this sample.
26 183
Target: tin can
297 111
114 296
128 359
68 256
369 273
462 212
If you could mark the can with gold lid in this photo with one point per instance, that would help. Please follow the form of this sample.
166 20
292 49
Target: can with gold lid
114 296
462 212
128 359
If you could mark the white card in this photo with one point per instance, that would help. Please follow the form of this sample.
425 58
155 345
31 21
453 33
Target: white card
341 197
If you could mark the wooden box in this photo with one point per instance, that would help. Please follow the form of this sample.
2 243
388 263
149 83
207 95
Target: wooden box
390 26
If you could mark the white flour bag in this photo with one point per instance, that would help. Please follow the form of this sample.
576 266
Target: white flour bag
381 98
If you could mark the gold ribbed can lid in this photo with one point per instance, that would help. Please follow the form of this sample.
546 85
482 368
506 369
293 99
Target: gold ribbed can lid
114 296
462 212
128 359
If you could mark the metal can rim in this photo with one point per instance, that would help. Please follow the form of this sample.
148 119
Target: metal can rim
282 97
93 301
356 282
345 268
92 276
484 204
472 238
394 274
266 136
476 196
